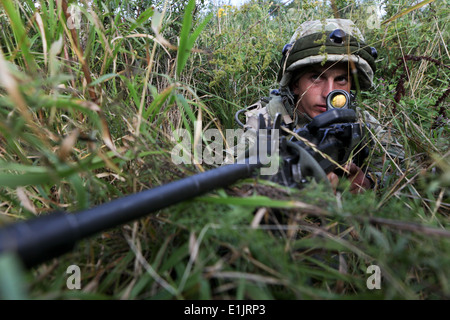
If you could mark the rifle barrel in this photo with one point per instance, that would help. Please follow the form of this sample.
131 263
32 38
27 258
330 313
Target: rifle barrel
42 238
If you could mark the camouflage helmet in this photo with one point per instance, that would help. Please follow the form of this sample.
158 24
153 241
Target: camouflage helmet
331 40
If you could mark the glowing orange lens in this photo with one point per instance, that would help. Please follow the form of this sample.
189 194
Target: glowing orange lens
338 101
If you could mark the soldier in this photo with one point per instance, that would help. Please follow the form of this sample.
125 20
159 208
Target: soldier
321 56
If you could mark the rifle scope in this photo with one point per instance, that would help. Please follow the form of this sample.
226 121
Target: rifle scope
338 99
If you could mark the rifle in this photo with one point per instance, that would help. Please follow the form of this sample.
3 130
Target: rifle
335 132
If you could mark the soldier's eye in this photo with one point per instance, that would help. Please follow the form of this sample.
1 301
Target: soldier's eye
342 79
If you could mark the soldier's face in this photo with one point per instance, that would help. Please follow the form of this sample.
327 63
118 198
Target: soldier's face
313 87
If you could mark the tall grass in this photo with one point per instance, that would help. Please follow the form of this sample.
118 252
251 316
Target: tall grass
88 105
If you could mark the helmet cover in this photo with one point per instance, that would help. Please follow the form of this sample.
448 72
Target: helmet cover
332 40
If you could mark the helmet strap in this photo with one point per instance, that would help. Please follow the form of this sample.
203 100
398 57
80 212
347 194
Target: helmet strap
288 100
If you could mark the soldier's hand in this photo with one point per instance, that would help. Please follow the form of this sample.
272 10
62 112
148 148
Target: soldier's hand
358 180
334 180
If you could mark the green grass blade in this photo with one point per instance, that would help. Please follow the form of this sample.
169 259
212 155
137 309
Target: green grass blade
22 41
12 281
157 103
405 12
183 48
142 18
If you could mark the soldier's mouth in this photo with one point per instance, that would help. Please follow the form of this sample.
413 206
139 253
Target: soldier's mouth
321 108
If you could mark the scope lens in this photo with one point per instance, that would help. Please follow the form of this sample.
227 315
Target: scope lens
338 101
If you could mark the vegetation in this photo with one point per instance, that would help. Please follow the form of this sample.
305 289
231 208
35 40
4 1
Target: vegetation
91 92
